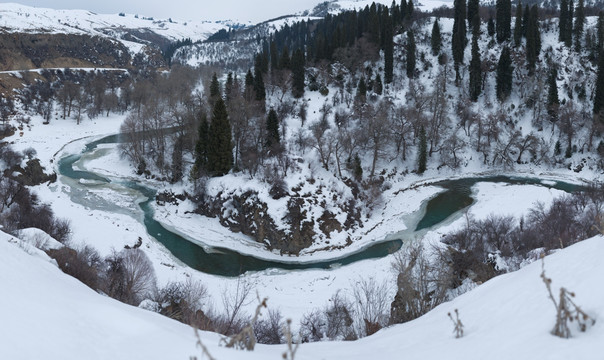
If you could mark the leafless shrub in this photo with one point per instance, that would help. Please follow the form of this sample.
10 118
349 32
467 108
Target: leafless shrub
339 319
233 320
312 326
83 265
566 310
334 322
183 302
270 329
371 305
246 339
458 326
421 284
129 277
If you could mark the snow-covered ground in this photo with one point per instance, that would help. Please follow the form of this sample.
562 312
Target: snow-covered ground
21 18
109 219
47 314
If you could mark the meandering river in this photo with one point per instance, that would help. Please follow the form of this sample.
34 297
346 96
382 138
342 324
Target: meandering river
457 196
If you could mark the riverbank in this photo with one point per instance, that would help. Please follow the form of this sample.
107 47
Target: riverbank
108 230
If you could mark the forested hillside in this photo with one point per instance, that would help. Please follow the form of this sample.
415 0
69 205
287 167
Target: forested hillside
384 158
326 115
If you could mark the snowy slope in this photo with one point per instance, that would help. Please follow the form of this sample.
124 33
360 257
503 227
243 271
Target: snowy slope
343 5
21 18
46 314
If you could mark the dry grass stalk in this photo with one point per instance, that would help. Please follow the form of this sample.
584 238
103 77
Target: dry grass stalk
204 349
566 310
458 330
290 354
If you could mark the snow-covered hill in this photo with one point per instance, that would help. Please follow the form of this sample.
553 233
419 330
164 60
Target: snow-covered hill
129 28
336 6
46 314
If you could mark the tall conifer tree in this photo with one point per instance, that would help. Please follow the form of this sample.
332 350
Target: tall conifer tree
504 19
410 50
569 24
533 39
579 25
518 25
259 88
599 91
436 39
525 19
388 50
422 151
563 21
504 75
475 65
201 147
473 9
491 27
553 101
220 149
272 129
297 66
458 41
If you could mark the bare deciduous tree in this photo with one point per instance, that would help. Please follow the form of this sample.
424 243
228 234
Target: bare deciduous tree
371 305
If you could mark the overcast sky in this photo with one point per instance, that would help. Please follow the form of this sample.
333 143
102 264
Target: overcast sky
242 10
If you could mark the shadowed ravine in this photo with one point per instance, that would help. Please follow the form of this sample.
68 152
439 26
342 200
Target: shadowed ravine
220 261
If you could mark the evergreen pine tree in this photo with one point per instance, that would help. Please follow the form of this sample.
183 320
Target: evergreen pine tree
410 50
297 65
518 25
533 39
599 90
259 88
249 86
261 60
473 9
491 27
201 147
579 25
228 87
378 87
569 24
395 12
357 169
568 153
504 20
274 56
403 10
600 32
285 62
526 14
563 21
475 66
410 10
553 102
177 165
436 40
272 129
362 88
388 50
558 148
504 75
214 87
220 148
458 41
535 28
422 152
